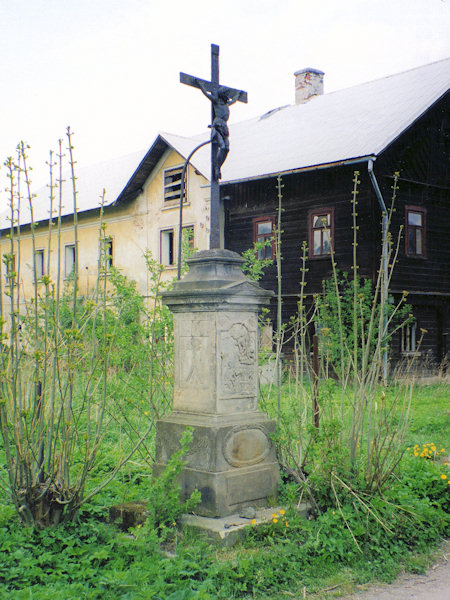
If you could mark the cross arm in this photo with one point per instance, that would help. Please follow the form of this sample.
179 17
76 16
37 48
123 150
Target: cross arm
204 85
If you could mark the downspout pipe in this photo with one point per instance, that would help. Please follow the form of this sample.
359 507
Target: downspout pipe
180 226
384 259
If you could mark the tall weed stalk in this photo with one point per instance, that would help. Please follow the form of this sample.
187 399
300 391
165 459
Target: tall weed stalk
70 363
362 425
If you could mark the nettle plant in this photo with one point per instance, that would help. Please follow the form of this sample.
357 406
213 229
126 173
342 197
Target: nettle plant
75 371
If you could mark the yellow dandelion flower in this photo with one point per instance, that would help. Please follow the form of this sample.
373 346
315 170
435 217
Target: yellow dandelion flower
442 450
443 476
274 520
253 521
416 453
282 511
433 448
287 524
274 515
408 449
446 464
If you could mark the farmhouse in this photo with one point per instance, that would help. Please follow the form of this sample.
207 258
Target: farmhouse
395 124
140 214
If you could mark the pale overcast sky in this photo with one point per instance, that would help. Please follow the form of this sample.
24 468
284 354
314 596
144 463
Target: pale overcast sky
110 68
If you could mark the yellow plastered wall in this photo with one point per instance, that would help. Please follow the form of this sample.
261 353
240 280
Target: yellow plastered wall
161 217
134 228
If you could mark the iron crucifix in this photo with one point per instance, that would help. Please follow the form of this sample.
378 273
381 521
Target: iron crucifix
221 98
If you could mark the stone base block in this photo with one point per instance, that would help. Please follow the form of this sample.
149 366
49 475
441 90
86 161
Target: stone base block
129 514
226 531
231 460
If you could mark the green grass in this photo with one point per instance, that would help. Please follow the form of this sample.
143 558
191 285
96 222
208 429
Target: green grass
322 557
430 416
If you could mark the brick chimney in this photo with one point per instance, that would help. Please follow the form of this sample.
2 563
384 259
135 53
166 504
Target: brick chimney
308 83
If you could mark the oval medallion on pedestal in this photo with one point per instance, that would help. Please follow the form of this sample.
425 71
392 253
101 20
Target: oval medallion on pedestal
246 445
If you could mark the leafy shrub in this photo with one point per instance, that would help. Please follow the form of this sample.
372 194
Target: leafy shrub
329 315
164 504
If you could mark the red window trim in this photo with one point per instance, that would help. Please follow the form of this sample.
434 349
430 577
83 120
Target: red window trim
311 214
265 219
420 209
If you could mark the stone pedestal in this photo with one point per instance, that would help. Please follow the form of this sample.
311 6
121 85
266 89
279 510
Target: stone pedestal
232 458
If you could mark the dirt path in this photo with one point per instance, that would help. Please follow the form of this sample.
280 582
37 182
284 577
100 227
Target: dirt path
435 585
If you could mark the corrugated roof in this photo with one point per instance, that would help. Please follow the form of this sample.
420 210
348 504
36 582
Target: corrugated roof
344 125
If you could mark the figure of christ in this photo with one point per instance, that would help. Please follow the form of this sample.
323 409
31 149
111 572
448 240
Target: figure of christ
221 98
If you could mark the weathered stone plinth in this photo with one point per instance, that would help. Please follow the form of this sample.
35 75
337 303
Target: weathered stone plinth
232 458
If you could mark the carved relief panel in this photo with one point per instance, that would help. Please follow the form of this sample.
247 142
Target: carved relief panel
238 359
194 375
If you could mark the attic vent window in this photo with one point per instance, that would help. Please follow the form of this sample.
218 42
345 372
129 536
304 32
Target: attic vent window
172 185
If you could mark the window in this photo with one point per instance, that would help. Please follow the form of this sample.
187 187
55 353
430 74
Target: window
107 258
167 247
11 275
39 263
109 253
188 237
321 229
172 185
415 231
263 232
69 259
408 342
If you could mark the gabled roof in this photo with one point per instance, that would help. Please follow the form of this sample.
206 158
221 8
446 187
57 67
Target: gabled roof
347 124
112 175
350 124
357 122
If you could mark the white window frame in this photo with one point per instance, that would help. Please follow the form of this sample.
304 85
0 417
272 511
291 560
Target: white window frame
408 340
10 268
167 247
39 264
109 253
69 259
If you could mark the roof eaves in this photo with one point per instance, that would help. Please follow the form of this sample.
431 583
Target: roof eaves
393 138
338 163
136 182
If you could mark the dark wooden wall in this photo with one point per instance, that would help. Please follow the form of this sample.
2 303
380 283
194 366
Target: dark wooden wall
421 155
302 193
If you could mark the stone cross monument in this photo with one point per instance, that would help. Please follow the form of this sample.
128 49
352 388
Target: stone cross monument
232 457
221 98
